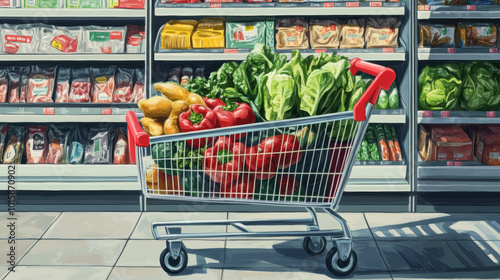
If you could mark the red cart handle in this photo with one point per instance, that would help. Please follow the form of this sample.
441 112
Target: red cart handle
136 136
384 77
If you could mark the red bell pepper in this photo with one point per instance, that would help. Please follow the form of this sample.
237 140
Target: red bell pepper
195 119
285 150
224 161
212 103
288 184
263 164
234 114
242 187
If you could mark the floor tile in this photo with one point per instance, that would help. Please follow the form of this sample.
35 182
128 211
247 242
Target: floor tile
156 273
462 275
236 274
440 256
21 246
93 225
59 273
355 221
201 254
28 224
74 252
143 229
289 254
434 226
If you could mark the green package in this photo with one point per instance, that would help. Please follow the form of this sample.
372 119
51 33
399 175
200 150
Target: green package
244 35
270 32
41 4
85 4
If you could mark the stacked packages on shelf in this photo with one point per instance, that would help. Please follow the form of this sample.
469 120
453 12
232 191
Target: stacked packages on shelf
461 35
380 143
48 84
460 143
50 39
265 1
284 33
84 4
457 2
63 144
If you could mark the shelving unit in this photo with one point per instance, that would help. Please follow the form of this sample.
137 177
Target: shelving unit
458 11
74 57
75 14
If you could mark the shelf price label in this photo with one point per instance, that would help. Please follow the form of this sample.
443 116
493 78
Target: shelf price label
427 7
427 114
454 163
445 114
49 111
388 50
320 50
451 50
471 7
230 50
493 50
352 4
491 114
458 163
328 5
375 4
106 111
215 5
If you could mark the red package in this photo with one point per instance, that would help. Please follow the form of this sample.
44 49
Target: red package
128 4
139 85
450 143
121 155
62 85
41 84
123 89
64 43
24 86
103 84
80 85
36 144
135 39
3 85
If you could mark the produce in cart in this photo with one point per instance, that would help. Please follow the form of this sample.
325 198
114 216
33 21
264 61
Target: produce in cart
224 161
195 119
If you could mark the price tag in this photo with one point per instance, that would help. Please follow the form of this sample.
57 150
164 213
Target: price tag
451 50
450 163
427 7
388 50
106 111
445 114
215 5
491 114
49 111
320 50
352 4
427 114
230 50
375 4
328 5
458 163
471 7
493 50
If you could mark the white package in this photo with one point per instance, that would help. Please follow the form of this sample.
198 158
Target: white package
100 39
61 39
22 38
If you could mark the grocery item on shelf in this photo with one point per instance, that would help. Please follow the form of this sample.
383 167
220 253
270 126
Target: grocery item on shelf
44 4
3 136
10 4
99 39
135 39
385 153
22 38
209 33
440 87
179 1
353 34
62 84
477 35
176 34
13 85
99 146
124 86
23 97
481 87
245 34
126 4
121 154
437 36
36 144
486 143
382 32
80 85
59 140
324 33
457 2
77 146
444 142
41 84
292 1
14 148
103 84
4 84
57 39
139 88
175 75
85 4
292 33
186 75
199 72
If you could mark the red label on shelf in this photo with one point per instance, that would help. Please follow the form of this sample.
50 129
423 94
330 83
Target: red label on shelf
492 50
450 163
230 50
427 114
458 163
106 111
328 4
451 50
215 5
375 4
320 50
427 7
445 114
471 7
352 4
491 114
388 50
49 111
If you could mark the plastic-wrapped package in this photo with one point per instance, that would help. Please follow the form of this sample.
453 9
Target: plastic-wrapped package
62 84
99 146
437 35
58 149
14 86
186 75
139 89
353 34
77 145
176 34
60 39
4 84
10 4
103 84
14 148
80 85
25 75
199 72
209 33
86 4
3 136
121 155
36 144
43 4
179 1
41 84
126 4
100 39
241 35
325 33
22 38
135 39
124 84
382 32
174 75
477 35
292 33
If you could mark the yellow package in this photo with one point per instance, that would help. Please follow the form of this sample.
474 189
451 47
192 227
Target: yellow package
176 34
209 34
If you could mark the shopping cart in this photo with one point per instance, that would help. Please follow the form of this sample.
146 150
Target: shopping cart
303 162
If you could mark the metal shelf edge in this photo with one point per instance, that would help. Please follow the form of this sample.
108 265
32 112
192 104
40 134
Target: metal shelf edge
79 14
74 57
187 56
62 119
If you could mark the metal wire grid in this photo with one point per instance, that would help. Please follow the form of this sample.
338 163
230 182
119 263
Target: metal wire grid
309 174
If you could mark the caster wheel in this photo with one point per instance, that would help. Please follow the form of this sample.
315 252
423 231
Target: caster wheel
172 266
338 267
313 249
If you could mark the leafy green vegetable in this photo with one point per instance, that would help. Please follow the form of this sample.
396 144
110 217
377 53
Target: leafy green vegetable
481 86
162 155
319 83
188 158
439 87
393 97
383 100
279 96
198 85
360 86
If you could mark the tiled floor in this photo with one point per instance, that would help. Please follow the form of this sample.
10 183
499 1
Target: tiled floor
120 246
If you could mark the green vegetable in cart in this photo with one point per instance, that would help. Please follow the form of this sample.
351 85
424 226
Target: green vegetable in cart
383 100
266 190
440 87
393 98
187 157
360 86
162 155
279 96
195 183
481 90
289 188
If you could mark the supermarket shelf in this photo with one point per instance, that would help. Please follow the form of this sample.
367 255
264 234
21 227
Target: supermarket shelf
74 57
458 186
458 54
370 185
75 14
85 171
469 171
78 186
63 119
462 12
388 116
458 117
378 172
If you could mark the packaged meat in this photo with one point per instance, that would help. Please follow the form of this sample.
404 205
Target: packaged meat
449 142
292 33
176 34
244 35
80 85
99 146
14 83
325 33
382 32
209 33
25 75
13 153
22 38
58 148
477 35
186 75
353 34
139 89
223 1
4 84
121 155
135 39
41 84
59 39
77 145
179 1
126 4
62 84
199 72
103 84
3 136
175 75
44 4
437 36
100 39
292 1
86 4
36 144
123 88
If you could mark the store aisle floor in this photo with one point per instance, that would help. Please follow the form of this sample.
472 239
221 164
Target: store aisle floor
77 245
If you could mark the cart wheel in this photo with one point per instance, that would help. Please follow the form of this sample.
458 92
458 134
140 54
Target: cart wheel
338 267
313 250
172 266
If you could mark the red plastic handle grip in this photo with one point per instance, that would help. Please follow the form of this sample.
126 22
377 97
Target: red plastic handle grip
384 77
136 136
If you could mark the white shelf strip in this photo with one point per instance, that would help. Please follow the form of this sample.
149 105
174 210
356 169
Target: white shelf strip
77 14
74 57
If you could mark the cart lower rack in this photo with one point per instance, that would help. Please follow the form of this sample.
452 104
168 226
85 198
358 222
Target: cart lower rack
302 162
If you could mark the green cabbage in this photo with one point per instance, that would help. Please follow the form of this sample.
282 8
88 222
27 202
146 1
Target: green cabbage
439 87
481 87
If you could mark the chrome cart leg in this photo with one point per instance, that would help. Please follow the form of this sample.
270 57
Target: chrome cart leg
314 245
174 258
